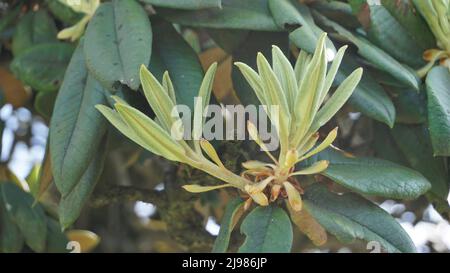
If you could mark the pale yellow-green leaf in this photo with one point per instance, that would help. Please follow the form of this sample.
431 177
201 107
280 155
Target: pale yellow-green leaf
158 99
291 158
322 146
253 132
312 81
74 32
285 74
201 102
308 144
337 100
294 198
211 152
317 167
271 85
114 118
199 189
255 164
168 86
260 198
332 73
278 110
151 133
253 80
259 186
301 64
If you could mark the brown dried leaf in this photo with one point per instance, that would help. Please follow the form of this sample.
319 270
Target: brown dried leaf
309 226
13 89
223 84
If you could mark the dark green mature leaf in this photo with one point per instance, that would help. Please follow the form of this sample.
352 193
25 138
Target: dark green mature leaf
8 19
64 13
257 41
369 97
414 142
70 206
438 91
350 217
57 240
227 225
289 15
44 103
382 24
31 220
118 41
235 14
228 39
185 4
42 66
173 54
406 14
76 126
410 106
36 27
373 176
339 12
385 146
268 230
374 55
11 240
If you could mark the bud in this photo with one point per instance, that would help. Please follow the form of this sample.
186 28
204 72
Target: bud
275 192
291 158
295 200
260 198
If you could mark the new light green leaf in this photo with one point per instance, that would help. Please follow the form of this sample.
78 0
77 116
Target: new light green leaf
274 92
150 132
337 100
253 80
310 89
350 217
118 40
203 98
114 118
158 98
267 230
285 75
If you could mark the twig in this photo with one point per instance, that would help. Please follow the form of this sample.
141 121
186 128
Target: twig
127 193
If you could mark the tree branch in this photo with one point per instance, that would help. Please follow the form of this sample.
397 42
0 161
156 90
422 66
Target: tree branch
127 193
